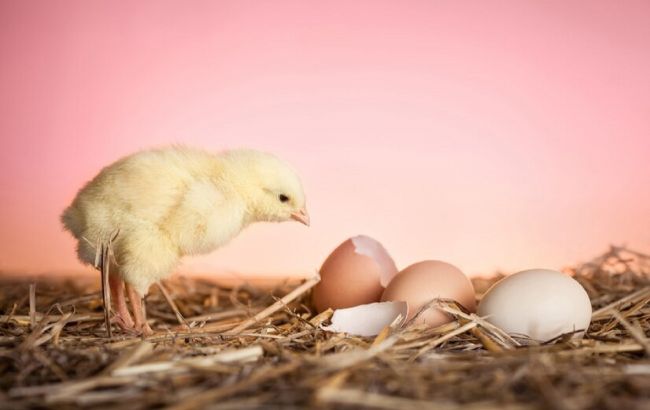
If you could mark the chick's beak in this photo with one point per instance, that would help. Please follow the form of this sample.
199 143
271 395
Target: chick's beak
301 216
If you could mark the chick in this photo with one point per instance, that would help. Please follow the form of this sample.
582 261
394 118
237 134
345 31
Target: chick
176 201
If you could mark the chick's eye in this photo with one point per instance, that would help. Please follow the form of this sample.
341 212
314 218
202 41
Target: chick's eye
283 198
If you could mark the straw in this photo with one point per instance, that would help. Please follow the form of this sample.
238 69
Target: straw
254 348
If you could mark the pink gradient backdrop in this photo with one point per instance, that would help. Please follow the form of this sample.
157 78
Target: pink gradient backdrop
488 134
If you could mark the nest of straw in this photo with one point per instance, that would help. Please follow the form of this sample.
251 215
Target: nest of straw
249 348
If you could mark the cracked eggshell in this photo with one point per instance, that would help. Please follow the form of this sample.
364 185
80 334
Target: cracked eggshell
355 273
424 281
539 303
367 320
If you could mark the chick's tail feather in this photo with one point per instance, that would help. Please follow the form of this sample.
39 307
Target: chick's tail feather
71 219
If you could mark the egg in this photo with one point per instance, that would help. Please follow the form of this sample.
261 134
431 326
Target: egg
541 304
424 281
355 273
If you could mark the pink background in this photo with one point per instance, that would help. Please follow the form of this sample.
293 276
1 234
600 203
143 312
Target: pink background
488 134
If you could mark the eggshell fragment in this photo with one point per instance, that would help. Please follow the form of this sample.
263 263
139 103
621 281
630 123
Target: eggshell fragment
355 273
541 304
367 320
424 281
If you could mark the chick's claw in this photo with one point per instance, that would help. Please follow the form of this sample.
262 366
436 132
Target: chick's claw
181 328
123 324
145 330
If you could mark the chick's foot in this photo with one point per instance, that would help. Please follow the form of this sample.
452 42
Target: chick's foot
122 317
139 313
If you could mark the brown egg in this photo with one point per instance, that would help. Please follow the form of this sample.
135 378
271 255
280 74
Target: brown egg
355 273
419 283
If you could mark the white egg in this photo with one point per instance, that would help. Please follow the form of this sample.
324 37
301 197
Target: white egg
539 303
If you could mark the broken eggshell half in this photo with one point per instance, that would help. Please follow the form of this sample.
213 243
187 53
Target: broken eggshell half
369 319
355 273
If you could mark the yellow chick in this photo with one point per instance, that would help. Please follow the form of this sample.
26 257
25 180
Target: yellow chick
177 201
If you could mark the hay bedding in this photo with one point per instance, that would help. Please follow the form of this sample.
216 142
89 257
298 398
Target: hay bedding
247 348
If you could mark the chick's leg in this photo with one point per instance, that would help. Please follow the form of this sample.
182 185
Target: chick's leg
147 254
137 304
123 317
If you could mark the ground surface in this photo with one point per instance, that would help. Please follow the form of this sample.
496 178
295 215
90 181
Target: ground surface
60 357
